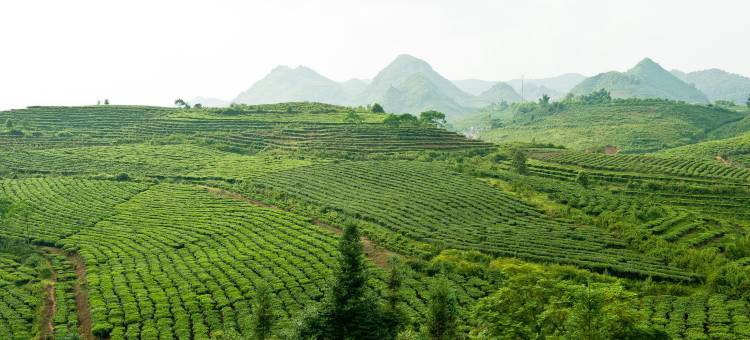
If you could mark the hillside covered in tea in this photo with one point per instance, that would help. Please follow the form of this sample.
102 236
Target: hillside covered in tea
302 220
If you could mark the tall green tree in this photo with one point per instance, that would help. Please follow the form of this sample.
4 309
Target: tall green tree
442 313
264 315
350 309
8 123
518 162
377 108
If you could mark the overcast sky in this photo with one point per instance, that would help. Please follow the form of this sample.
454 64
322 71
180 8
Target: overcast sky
151 52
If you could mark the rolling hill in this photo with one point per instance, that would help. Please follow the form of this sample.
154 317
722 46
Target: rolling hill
140 222
718 84
631 125
731 151
647 79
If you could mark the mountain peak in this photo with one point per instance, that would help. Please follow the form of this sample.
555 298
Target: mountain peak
647 64
404 61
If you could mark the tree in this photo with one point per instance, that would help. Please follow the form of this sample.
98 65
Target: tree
401 120
264 314
748 101
432 117
442 313
582 178
406 119
106 101
377 108
597 97
392 120
8 123
181 103
353 118
198 106
544 100
518 162
395 318
350 309
539 302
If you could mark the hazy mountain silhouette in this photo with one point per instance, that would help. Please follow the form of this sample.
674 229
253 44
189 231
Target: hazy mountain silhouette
718 84
647 79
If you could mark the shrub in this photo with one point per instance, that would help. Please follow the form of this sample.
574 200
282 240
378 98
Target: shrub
102 329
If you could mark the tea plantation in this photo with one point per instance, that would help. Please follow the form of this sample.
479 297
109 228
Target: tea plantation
136 222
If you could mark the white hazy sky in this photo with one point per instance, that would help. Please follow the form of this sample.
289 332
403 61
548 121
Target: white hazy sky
151 52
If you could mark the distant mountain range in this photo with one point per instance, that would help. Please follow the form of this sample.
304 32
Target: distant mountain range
409 84
647 79
285 84
718 84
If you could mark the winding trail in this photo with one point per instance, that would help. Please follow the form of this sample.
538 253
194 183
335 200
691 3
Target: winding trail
83 309
47 329
375 253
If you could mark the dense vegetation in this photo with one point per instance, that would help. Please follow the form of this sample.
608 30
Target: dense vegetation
595 121
303 220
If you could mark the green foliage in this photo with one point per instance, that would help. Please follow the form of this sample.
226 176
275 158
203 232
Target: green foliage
8 123
582 178
432 118
122 177
518 162
601 96
401 120
349 310
535 303
631 125
264 314
102 329
377 108
353 118
171 255
318 191
442 317
544 100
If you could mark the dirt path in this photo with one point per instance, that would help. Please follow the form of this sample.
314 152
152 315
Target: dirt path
376 254
47 329
83 310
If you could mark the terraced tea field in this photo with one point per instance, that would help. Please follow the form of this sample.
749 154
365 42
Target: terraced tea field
53 127
699 317
132 222
420 202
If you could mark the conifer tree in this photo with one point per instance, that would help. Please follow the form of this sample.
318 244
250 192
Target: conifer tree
442 314
264 314
350 309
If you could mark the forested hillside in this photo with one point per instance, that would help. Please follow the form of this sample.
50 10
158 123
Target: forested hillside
305 220
596 121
